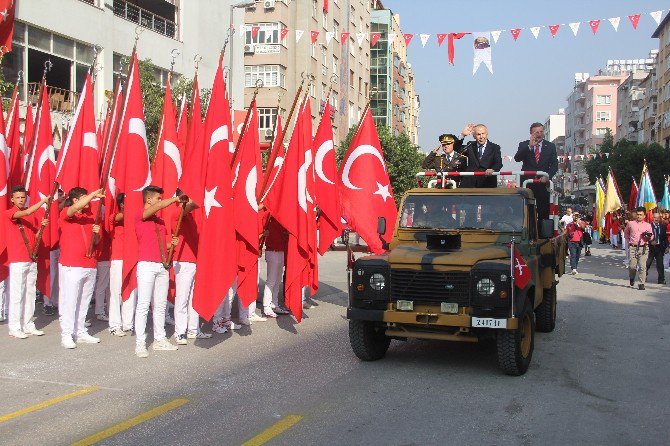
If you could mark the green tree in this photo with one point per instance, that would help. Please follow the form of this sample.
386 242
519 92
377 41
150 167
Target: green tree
403 159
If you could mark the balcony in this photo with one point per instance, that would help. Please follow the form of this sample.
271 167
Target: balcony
580 111
60 100
145 18
580 97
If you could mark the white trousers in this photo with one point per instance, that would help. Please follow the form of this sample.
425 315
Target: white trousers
102 287
273 281
77 285
666 260
225 308
185 317
153 281
121 314
4 302
22 278
54 255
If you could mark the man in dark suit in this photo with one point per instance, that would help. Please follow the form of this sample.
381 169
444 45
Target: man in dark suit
483 156
538 154
658 246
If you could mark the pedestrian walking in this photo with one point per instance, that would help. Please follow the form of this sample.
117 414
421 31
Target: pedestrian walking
575 233
639 235
658 246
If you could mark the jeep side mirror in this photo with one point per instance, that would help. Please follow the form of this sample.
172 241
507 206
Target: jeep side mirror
381 226
546 228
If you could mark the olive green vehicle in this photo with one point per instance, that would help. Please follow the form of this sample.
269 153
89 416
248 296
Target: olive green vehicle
448 275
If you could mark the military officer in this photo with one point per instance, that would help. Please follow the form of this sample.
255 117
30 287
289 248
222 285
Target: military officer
450 160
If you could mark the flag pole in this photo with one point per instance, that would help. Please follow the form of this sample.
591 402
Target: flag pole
259 85
108 162
273 154
111 113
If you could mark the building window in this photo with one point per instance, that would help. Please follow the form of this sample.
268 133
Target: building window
352 14
601 131
315 9
336 29
267 118
603 99
313 51
324 20
324 57
324 92
312 91
267 35
334 101
604 116
351 78
352 116
336 68
271 75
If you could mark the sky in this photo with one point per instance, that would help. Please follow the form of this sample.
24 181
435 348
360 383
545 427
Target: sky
531 78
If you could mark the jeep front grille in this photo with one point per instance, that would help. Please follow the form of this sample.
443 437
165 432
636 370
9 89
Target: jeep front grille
431 286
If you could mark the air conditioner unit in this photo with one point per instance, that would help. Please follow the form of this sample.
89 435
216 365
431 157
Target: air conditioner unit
269 4
268 133
249 49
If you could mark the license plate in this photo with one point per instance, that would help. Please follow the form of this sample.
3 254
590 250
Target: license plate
489 322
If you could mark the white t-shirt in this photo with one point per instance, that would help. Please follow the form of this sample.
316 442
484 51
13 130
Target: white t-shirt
566 220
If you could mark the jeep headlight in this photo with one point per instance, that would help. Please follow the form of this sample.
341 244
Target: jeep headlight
486 287
377 281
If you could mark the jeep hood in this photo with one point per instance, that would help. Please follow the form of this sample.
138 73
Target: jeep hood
405 255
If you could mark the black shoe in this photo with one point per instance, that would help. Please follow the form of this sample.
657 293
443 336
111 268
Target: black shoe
640 286
49 310
632 282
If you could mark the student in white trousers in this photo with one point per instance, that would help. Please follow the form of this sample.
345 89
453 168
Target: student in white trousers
77 271
121 313
152 275
20 229
276 240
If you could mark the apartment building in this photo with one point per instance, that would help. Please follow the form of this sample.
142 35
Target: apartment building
395 103
65 32
554 132
281 64
649 120
630 99
662 33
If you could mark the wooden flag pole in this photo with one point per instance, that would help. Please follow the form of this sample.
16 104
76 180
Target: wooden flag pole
259 85
108 163
111 113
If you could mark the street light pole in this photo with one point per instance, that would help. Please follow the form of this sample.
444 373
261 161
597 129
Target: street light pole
232 44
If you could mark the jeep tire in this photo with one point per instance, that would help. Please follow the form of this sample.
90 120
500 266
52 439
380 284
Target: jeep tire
545 313
515 347
368 340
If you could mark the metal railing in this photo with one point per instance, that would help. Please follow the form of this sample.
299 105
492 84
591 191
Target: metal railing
144 18
60 100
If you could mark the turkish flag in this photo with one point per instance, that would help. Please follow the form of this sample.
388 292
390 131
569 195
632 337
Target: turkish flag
108 156
192 181
4 197
182 125
521 270
216 267
40 177
7 9
365 188
78 160
109 128
326 183
246 189
276 158
13 133
28 135
130 171
166 168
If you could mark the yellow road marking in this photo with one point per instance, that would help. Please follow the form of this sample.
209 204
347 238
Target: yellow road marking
141 418
51 402
276 429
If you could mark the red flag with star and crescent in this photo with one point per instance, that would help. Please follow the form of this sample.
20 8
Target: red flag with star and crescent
166 168
326 183
365 187
4 197
247 223
78 160
192 181
130 172
7 11
521 270
13 132
216 268
40 180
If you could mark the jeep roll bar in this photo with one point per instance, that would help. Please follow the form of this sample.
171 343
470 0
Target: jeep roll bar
446 178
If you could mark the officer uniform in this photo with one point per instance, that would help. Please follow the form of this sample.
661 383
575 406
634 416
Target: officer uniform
454 162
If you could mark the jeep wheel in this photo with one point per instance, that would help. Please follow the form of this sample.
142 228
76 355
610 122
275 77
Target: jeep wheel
368 340
545 314
515 347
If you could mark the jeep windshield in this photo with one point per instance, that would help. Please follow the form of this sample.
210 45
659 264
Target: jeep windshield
497 213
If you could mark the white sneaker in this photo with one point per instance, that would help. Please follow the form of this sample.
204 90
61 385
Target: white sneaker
117 332
87 323
87 339
219 326
102 317
168 319
230 325
253 317
198 335
18 334
33 331
141 351
164 345
68 343
180 339
3 318
245 321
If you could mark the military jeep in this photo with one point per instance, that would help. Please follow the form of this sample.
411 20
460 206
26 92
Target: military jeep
449 275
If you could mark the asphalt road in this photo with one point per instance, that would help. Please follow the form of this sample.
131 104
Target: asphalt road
602 377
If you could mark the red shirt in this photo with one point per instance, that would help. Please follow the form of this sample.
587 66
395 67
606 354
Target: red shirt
187 249
575 232
277 239
148 233
615 226
16 246
117 238
104 247
76 232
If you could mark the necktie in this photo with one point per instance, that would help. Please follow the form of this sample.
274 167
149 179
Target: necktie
480 148
537 154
